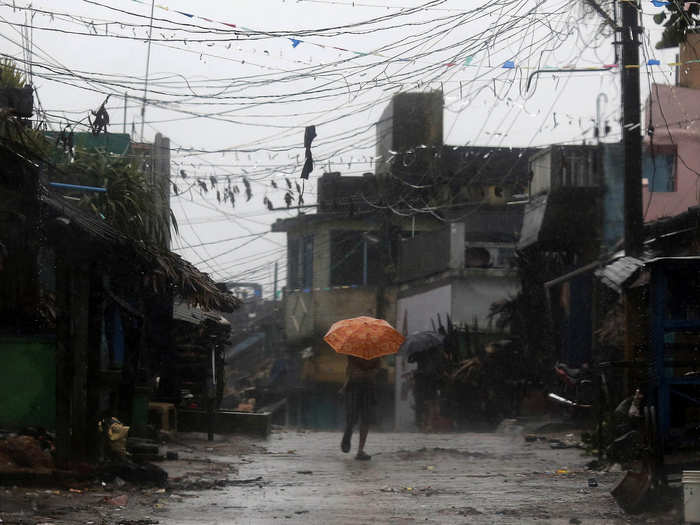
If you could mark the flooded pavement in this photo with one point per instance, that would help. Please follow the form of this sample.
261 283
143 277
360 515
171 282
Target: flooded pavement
451 478
303 477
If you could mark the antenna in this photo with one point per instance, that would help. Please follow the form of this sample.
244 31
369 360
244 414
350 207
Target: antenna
148 66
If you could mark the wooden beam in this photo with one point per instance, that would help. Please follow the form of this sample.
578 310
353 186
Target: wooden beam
94 385
63 368
79 316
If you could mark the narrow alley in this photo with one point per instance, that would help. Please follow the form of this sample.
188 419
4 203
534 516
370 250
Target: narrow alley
302 477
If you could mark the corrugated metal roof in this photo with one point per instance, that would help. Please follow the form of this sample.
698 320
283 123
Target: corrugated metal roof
618 272
193 315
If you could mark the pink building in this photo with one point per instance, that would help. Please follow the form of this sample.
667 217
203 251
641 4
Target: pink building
672 173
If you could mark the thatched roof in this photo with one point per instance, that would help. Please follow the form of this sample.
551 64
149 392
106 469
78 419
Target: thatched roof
161 268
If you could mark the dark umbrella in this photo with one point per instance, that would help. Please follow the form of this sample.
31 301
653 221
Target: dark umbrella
421 342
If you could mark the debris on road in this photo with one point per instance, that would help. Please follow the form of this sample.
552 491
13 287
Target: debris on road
118 501
25 451
142 473
209 484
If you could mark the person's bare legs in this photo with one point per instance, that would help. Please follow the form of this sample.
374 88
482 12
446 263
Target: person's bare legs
364 430
347 436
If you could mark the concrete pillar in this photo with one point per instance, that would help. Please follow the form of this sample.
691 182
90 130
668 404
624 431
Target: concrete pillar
457 233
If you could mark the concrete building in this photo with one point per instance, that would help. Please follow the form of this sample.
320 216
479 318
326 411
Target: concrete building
456 273
370 251
672 165
337 267
671 174
410 120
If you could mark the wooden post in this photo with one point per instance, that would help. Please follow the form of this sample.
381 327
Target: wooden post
79 312
63 368
96 315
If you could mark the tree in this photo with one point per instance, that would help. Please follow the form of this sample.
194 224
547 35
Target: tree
676 21
524 314
10 76
128 205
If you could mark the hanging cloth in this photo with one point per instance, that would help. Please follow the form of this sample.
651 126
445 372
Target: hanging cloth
309 136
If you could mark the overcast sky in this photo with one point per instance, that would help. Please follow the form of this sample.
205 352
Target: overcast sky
252 96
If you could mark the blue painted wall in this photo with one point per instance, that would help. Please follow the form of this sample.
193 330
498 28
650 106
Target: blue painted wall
613 226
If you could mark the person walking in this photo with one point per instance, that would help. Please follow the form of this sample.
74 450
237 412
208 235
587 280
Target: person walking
364 340
360 400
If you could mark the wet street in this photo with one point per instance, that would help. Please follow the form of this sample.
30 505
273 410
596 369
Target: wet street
303 477
413 478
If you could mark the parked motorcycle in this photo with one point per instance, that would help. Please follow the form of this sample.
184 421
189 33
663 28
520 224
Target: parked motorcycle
575 386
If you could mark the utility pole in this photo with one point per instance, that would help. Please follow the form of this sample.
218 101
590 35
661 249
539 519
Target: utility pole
148 69
628 39
631 127
274 292
635 333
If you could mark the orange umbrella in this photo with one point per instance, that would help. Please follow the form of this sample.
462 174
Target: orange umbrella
364 337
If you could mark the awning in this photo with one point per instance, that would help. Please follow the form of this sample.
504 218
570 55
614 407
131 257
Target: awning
563 217
620 271
532 221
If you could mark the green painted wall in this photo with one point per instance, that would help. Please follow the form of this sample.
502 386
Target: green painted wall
27 382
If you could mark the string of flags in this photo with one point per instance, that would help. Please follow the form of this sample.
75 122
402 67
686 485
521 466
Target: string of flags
510 64
664 3
189 15
294 41
466 62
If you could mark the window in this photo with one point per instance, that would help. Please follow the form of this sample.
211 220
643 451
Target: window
307 261
354 258
506 257
477 257
300 256
659 169
578 168
489 255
